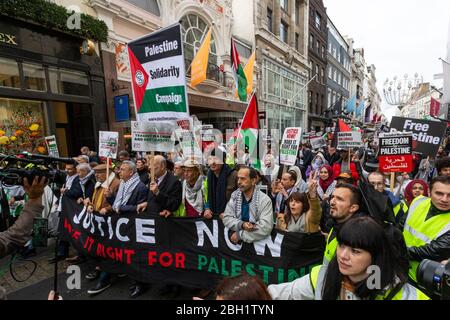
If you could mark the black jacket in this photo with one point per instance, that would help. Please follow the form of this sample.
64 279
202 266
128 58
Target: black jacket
437 250
138 196
75 191
143 175
169 196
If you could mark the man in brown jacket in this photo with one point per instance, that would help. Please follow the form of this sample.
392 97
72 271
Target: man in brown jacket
101 189
20 232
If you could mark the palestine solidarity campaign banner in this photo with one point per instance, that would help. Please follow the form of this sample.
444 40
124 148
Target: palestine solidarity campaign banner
158 75
191 252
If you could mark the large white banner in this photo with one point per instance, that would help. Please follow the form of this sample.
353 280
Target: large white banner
153 136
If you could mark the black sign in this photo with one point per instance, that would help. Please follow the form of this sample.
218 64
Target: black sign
188 251
395 145
427 135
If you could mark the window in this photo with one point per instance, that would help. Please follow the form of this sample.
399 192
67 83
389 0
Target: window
318 47
194 30
283 32
329 48
339 55
269 20
323 52
317 72
284 4
64 81
9 73
334 75
34 76
323 75
297 41
318 20
334 53
330 72
147 5
243 50
311 41
297 12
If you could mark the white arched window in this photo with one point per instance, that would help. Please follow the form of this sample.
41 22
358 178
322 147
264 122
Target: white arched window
148 5
194 32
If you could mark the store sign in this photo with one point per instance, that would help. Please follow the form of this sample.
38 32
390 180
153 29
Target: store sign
8 39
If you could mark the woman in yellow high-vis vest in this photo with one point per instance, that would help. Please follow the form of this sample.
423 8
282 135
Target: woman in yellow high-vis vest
367 266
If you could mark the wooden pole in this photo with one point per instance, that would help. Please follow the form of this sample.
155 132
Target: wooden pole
392 181
107 172
152 166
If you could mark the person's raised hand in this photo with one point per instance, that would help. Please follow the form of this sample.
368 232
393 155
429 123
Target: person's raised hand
36 189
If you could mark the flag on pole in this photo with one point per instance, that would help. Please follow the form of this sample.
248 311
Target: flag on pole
238 73
248 71
341 126
199 64
360 108
249 129
435 107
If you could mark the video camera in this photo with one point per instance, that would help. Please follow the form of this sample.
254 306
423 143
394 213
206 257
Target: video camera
13 170
17 167
434 277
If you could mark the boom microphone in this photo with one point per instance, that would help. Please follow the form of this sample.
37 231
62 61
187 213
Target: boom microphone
50 158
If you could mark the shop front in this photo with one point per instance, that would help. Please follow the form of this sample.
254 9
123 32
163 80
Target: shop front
48 87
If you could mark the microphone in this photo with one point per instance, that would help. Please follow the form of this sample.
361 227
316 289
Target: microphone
50 158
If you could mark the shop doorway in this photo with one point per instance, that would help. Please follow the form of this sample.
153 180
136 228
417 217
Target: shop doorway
73 126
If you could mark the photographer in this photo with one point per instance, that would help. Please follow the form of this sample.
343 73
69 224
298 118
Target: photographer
19 233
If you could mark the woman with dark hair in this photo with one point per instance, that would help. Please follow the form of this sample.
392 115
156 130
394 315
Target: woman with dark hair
370 264
415 189
242 287
303 211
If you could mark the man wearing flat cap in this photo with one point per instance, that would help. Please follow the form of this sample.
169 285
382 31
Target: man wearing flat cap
103 187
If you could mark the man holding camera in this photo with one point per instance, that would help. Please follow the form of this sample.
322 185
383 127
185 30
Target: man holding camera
20 232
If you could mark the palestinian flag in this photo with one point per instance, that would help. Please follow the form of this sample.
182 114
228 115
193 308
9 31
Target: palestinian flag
248 131
238 73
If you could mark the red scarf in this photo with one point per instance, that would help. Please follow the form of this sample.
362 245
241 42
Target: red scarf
324 184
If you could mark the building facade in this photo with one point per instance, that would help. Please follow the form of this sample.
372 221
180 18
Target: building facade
317 48
46 79
372 97
419 107
281 33
338 68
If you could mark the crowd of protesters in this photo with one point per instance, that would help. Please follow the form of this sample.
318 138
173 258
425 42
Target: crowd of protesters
321 193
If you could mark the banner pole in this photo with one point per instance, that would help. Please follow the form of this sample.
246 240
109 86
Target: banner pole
392 181
152 166
107 172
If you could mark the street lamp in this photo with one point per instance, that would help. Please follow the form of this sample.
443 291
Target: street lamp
399 91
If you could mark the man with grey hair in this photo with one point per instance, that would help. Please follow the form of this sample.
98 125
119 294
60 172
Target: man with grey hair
132 191
164 197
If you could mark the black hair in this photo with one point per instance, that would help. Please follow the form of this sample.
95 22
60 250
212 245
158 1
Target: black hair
252 171
356 194
293 175
388 252
296 196
442 163
439 179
